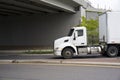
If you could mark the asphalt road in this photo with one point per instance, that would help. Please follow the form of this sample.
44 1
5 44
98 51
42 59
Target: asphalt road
25 56
56 72
43 56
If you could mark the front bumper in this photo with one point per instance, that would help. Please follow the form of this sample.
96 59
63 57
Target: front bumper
57 52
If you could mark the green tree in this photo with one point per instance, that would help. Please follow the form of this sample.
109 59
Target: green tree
92 29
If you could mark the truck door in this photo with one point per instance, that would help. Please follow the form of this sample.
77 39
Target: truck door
79 38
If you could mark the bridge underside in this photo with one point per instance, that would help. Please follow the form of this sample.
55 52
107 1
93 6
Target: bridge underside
26 24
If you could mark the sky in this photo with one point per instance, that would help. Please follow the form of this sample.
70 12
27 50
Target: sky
113 5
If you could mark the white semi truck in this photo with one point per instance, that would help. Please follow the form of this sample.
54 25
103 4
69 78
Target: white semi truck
76 42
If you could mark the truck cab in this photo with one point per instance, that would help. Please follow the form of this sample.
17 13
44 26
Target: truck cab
67 46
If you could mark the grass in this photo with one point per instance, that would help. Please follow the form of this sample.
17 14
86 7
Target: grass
42 51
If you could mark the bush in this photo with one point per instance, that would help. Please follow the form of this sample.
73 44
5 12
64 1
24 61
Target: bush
92 30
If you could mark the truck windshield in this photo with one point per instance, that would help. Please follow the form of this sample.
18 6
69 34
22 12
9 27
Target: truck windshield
70 32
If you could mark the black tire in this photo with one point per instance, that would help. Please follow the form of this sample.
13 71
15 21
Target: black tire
112 51
67 53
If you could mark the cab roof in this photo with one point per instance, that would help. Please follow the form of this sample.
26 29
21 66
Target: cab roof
81 27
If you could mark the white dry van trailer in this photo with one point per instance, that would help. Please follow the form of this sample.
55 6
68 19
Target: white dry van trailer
76 42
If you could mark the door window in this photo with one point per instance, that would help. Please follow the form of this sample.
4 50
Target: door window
80 32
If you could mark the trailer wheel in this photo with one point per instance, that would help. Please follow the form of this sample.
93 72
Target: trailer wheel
67 53
112 51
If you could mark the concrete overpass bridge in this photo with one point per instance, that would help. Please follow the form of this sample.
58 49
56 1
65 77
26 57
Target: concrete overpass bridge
36 23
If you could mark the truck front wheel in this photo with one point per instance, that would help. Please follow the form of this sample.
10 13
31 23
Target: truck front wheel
112 51
67 53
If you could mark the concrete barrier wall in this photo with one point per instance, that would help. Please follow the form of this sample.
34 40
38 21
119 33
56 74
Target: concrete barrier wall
35 30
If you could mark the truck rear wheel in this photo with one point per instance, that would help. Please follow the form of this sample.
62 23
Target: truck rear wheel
67 53
112 51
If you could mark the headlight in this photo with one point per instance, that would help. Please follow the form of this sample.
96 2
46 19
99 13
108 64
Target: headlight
57 48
